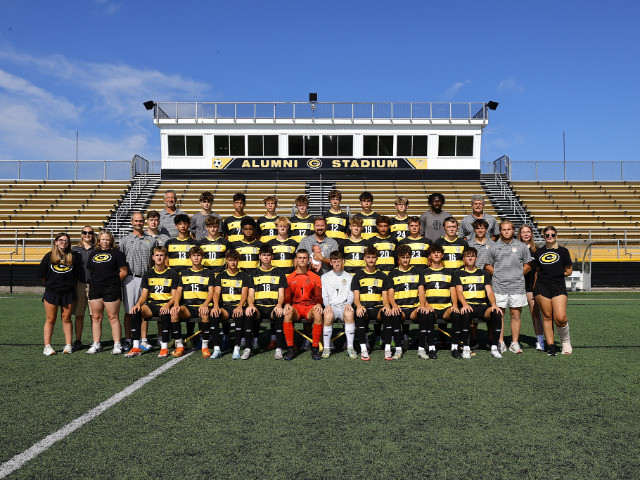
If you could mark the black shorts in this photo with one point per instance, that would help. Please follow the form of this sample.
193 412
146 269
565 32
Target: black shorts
264 313
60 299
194 312
227 308
106 293
372 313
479 311
550 291
440 312
407 313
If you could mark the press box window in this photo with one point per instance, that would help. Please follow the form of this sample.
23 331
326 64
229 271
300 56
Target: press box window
229 145
377 145
455 146
304 145
337 146
263 145
189 145
411 146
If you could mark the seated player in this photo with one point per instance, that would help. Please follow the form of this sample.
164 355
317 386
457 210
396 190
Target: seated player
370 297
440 302
195 290
303 304
231 227
368 215
452 244
419 245
353 247
267 286
267 229
473 286
248 246
337 220
230 293
301 221
400 222
156 299
404 298
337 298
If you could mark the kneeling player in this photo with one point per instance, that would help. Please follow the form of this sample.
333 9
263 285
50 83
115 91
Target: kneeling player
195 290
440 302
156 299
473 286
230 293
371 302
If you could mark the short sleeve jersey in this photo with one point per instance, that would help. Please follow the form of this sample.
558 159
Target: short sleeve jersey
266 284
267 228
437 284
160 285
305 288
232 228
551 263
400 227
370 287
301 227
369 228
473 284
231 286
452 251
353 252
337 224
419 247
178 253
405 284
214 251
195 286
60 278
386 252
508 260
249 254
105 266
284 252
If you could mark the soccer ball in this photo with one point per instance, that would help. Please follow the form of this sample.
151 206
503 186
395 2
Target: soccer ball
217 163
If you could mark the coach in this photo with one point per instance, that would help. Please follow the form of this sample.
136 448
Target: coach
167 216
477 213
326 244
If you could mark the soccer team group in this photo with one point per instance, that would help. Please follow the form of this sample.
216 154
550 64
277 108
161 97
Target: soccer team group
432 271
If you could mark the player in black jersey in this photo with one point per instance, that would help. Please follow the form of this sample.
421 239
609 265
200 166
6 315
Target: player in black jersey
195 291
370 297
385 244
368 215
337 220
301 222
230 293
419 244
158 286
353 247
400 222
452 244
231 226
266 300
284 248
214 246
266 224
178 247
475 295
248 247
440 302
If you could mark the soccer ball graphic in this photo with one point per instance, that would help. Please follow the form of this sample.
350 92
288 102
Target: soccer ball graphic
217 163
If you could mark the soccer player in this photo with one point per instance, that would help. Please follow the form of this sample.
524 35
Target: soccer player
440 303
214 246
432 221
370 297
452 244
195 289
404 298
266 300
353 247
419 244
284 248
248 247
230 294
400 222
385 244
178 247
198 226
231 227
267 229
301 221
474 293
337 220
158 287
368 215
304 303
337 297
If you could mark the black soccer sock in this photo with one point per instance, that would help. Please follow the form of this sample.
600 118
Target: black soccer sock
278 321
136 323
176 330
388 322
165 328
377 330
190 328
204 331
397 330
422 333
431 326
255 327
466 327
496 327
249 327
454 318
405 329
361 329
214 331
226 328
273 327
239 322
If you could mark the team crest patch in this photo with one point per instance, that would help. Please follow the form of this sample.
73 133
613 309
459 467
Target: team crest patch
102 257
238 283
344 281
514 249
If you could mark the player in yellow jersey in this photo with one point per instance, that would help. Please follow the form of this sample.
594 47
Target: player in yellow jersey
267 228
337 219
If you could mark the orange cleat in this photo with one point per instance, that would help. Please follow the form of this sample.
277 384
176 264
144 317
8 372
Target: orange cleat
164 353
178 352
206 353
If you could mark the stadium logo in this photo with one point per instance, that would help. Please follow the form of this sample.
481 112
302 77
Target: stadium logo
62 268
102 257
550 257
314 163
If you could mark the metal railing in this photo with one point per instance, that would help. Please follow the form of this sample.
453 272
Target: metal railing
76 169
215 111
558 171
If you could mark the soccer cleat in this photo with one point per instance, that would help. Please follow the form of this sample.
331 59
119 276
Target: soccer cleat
67 349
502 347
145 346
352 352
272 345
117 348
567 349
455 353
94 348
495 353
134 352
290 354
432 354
398 354
164 353
326 352
364 355
388 355
178 352
551 350
216 354
128 345
423 354
315 353
515 347
466 353
278 354
539 347
236 353
246 353
48 350
77 345
206 353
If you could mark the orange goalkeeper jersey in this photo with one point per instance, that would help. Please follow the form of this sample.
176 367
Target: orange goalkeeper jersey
304 289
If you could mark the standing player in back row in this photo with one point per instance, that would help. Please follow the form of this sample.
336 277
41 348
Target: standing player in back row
301 221
452 244
267 229
400 222
284 248
231 227
353 247
419 244
337 220
368 215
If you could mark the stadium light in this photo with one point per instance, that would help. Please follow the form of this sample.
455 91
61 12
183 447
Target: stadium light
149 104
492 105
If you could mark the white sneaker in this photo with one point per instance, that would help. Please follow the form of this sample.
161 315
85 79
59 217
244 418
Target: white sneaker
245 354
502 347
145 346
567 349
397 354
326 352
94 348
495 353
515 347
278 355
352 352
48 350
68 349
466 352
117 348
539 347
236 353
423 354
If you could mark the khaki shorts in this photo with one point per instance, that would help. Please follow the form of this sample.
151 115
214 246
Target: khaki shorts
83 299
511 300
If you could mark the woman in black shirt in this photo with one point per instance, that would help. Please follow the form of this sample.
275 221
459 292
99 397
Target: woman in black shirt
108 267
59 270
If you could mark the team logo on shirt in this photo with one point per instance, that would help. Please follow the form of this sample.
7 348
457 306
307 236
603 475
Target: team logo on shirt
62 268
550 257
102 257
344 281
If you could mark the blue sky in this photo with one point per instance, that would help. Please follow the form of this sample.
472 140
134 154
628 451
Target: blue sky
88 65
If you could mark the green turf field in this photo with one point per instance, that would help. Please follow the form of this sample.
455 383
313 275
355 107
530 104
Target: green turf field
525 416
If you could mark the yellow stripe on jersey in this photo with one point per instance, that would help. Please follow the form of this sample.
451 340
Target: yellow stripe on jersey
370 282
437 277
155 281
191 279
230 283
438 292
471 279
160 297
189 295
412 278
475 295
354 248
261 279
272 295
